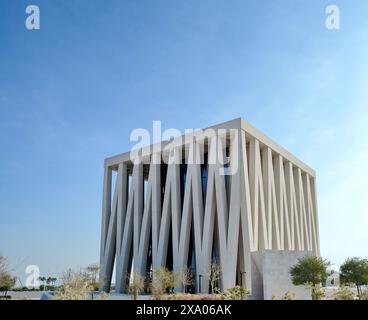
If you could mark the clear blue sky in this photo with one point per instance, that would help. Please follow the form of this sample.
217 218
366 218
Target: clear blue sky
71 93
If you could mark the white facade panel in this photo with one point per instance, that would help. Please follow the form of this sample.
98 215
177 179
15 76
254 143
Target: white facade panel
206 198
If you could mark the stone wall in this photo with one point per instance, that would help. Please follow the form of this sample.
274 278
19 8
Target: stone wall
270 275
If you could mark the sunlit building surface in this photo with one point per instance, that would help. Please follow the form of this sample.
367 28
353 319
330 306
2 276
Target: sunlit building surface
217 196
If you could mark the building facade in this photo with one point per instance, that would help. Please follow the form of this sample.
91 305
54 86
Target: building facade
213 196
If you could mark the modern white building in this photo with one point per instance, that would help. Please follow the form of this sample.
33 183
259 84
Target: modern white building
333 279
226 194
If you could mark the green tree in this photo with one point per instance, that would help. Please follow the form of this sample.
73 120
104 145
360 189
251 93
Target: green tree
355 270
53 280
48 282
311 272
6 280
43 280
163 281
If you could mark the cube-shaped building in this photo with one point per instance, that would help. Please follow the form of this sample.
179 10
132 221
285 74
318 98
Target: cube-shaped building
208 198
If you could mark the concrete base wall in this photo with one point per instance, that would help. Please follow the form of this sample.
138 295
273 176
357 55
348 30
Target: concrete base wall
270 275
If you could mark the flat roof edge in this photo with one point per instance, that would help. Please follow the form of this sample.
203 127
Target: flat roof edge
263 138
237 123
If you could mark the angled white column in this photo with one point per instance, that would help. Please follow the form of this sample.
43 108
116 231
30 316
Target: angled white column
249 195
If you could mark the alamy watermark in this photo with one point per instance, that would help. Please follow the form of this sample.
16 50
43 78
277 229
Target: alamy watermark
332 21
212 146
33 276
33 19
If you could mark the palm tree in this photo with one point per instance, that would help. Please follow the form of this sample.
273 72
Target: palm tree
53 280
48 282
42 279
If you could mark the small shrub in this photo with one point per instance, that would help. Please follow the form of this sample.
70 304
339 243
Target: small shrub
104 296
186 278
318 294
136 286
286 296
189 296
163 282
343 293
235 293
75 286
214 275
364 296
